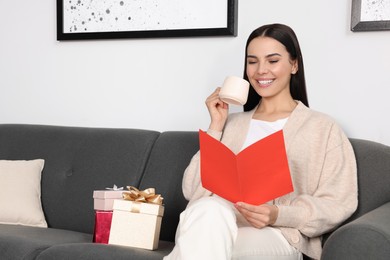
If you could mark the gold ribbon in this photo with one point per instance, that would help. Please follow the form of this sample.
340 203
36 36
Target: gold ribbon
147 196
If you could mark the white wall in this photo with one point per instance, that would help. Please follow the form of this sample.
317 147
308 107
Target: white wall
161 84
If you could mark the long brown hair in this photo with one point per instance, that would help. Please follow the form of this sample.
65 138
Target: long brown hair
286 36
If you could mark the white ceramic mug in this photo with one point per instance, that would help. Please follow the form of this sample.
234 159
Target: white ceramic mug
234 90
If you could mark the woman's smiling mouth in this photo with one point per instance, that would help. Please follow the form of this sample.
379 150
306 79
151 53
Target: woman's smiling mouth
265 83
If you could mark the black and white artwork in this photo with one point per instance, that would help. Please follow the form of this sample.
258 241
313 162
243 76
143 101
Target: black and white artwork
94 19
375 10
370 15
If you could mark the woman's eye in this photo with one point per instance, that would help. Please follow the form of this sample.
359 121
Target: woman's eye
251 62
273 61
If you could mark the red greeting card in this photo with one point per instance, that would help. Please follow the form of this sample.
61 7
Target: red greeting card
256 175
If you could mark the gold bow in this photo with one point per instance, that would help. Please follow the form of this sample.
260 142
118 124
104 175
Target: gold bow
147 195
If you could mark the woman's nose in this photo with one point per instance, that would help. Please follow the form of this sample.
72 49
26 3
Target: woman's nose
262 68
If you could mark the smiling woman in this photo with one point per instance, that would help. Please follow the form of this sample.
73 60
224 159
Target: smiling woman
269 64
320 159
280 44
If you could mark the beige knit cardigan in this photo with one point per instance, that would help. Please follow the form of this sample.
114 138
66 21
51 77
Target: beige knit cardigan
323 169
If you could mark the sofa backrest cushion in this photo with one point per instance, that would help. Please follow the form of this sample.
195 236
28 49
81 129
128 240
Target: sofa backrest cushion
78 160
170 157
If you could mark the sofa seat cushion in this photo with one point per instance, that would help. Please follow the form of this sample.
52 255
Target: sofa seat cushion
82 251
26 242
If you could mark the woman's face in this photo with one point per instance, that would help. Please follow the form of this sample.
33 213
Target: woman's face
269 67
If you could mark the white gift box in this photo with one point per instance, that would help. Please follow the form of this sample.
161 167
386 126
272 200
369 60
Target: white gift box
104 199
136 224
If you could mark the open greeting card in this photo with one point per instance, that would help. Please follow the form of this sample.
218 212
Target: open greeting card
256 175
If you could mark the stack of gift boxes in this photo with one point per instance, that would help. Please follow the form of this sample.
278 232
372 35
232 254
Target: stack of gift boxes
103 201
128 217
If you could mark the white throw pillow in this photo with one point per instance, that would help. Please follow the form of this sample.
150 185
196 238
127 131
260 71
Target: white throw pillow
20 193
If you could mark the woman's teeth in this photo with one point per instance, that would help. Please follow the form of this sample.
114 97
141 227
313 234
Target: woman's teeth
265 82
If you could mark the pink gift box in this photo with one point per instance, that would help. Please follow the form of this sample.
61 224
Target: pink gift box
104 199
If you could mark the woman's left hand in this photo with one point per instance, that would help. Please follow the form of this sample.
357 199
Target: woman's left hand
259 216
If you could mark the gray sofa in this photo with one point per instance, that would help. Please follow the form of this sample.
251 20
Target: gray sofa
79 160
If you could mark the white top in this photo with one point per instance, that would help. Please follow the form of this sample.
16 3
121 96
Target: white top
259 129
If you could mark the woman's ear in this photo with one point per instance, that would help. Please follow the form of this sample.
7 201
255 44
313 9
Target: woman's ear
294 67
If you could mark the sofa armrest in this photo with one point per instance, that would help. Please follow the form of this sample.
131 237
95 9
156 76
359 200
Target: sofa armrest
367 237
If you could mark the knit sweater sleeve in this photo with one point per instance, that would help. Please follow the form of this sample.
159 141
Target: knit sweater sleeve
321 203
191 184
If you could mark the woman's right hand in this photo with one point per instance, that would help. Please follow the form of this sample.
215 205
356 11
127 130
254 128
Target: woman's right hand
218 111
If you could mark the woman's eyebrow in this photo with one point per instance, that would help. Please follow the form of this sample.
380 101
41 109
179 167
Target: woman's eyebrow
273 54
267 56
251 56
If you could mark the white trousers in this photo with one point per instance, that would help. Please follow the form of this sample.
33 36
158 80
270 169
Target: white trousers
212 229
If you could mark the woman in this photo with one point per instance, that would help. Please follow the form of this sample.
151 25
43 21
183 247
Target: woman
321 161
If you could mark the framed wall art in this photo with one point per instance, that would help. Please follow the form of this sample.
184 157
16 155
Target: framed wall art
370 15
113 19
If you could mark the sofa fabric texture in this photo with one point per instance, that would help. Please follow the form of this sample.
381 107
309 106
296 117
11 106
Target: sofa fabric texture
79 160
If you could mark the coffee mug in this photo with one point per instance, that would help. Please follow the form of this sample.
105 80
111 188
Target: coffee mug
234 90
